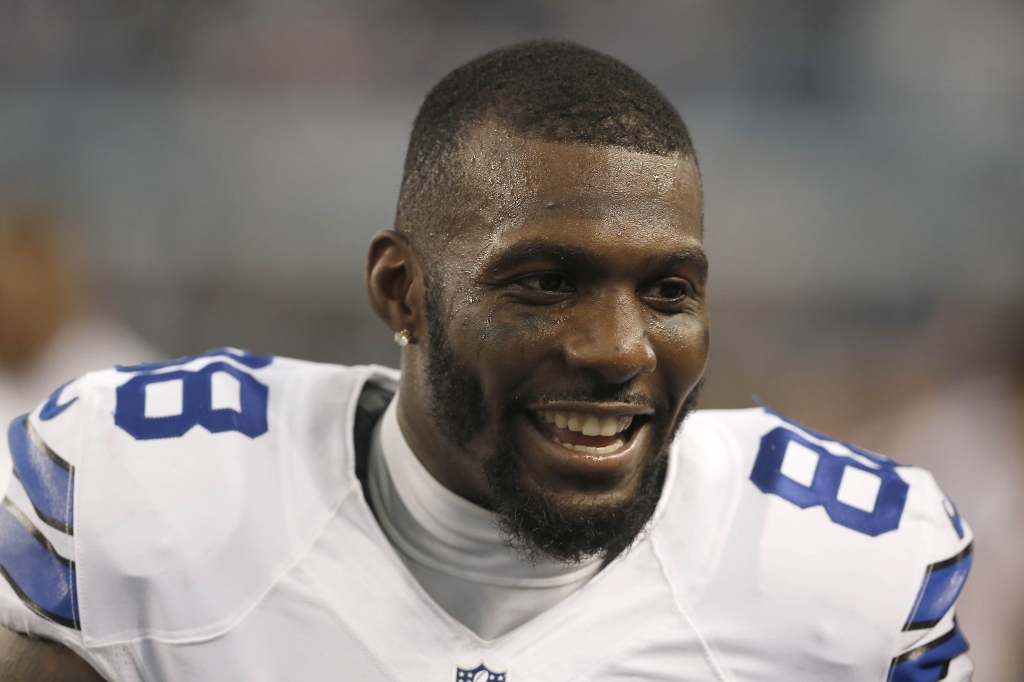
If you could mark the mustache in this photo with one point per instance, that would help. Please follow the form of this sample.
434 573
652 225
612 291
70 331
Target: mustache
595 392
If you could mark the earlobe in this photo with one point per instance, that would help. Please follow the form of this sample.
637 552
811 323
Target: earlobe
392 277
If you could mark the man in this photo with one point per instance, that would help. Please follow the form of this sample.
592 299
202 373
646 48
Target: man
527 507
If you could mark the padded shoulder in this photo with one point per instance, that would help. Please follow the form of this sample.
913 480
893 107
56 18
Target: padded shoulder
198 483
930 644
857 489
827 527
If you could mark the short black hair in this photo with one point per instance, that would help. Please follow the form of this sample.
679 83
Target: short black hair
548 90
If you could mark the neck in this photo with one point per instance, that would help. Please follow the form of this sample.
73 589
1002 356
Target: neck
453 547
458 469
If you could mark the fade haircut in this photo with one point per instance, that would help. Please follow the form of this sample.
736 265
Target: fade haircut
552 91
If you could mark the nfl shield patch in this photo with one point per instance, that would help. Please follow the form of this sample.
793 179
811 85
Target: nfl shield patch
481 673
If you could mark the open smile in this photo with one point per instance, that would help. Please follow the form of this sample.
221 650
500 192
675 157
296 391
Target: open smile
590 439
585 432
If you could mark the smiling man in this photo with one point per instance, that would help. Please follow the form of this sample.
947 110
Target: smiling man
527 499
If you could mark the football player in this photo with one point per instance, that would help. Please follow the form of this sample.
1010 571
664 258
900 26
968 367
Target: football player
530 499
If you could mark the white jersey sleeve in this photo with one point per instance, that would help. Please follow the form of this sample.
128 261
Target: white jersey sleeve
164 501
38 595
931 645
835 561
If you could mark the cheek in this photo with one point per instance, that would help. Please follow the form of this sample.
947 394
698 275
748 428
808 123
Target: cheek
682 348
507 346
504 333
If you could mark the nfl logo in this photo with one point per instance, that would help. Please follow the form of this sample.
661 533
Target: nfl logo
481 673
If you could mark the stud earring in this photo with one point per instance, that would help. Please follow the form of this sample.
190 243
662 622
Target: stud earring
403 338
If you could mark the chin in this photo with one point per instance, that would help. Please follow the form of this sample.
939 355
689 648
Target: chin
568 505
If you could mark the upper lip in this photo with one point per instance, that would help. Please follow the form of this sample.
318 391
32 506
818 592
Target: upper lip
605 409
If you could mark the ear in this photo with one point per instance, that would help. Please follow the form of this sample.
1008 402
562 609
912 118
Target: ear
394 281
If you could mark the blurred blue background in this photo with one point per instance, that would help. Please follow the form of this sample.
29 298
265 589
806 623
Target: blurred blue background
221 165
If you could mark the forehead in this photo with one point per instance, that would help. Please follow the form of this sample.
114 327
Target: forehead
514 182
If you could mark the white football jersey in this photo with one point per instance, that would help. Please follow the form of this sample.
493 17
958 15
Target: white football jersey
207 520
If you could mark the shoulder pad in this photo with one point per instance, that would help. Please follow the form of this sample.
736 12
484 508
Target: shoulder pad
197 483
841 527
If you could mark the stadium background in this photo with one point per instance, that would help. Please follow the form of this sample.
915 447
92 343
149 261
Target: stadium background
221 165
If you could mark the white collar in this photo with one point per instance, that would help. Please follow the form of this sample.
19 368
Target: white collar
434 527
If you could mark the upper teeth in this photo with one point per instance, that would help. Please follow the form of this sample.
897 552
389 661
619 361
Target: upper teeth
587 424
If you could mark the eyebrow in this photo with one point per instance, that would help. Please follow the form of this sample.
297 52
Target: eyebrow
582 259
694 257
528 251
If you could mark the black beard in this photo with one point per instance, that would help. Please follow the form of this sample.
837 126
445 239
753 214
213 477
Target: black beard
539 527
456 401
530 521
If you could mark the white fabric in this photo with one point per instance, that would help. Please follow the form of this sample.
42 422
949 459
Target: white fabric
454 548
81 345
190 508
216 556
971 434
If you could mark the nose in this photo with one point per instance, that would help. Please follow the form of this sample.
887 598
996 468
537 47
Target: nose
610 338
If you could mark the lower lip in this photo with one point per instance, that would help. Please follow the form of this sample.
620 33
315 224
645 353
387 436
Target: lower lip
548 454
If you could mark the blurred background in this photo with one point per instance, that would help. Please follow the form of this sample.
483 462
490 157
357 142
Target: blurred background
177 175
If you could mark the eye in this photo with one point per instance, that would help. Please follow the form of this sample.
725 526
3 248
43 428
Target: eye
672 289
668 294
548 282
542 288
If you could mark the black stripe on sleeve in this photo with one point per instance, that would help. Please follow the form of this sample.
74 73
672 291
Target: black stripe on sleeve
46 518
30 527
46 449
